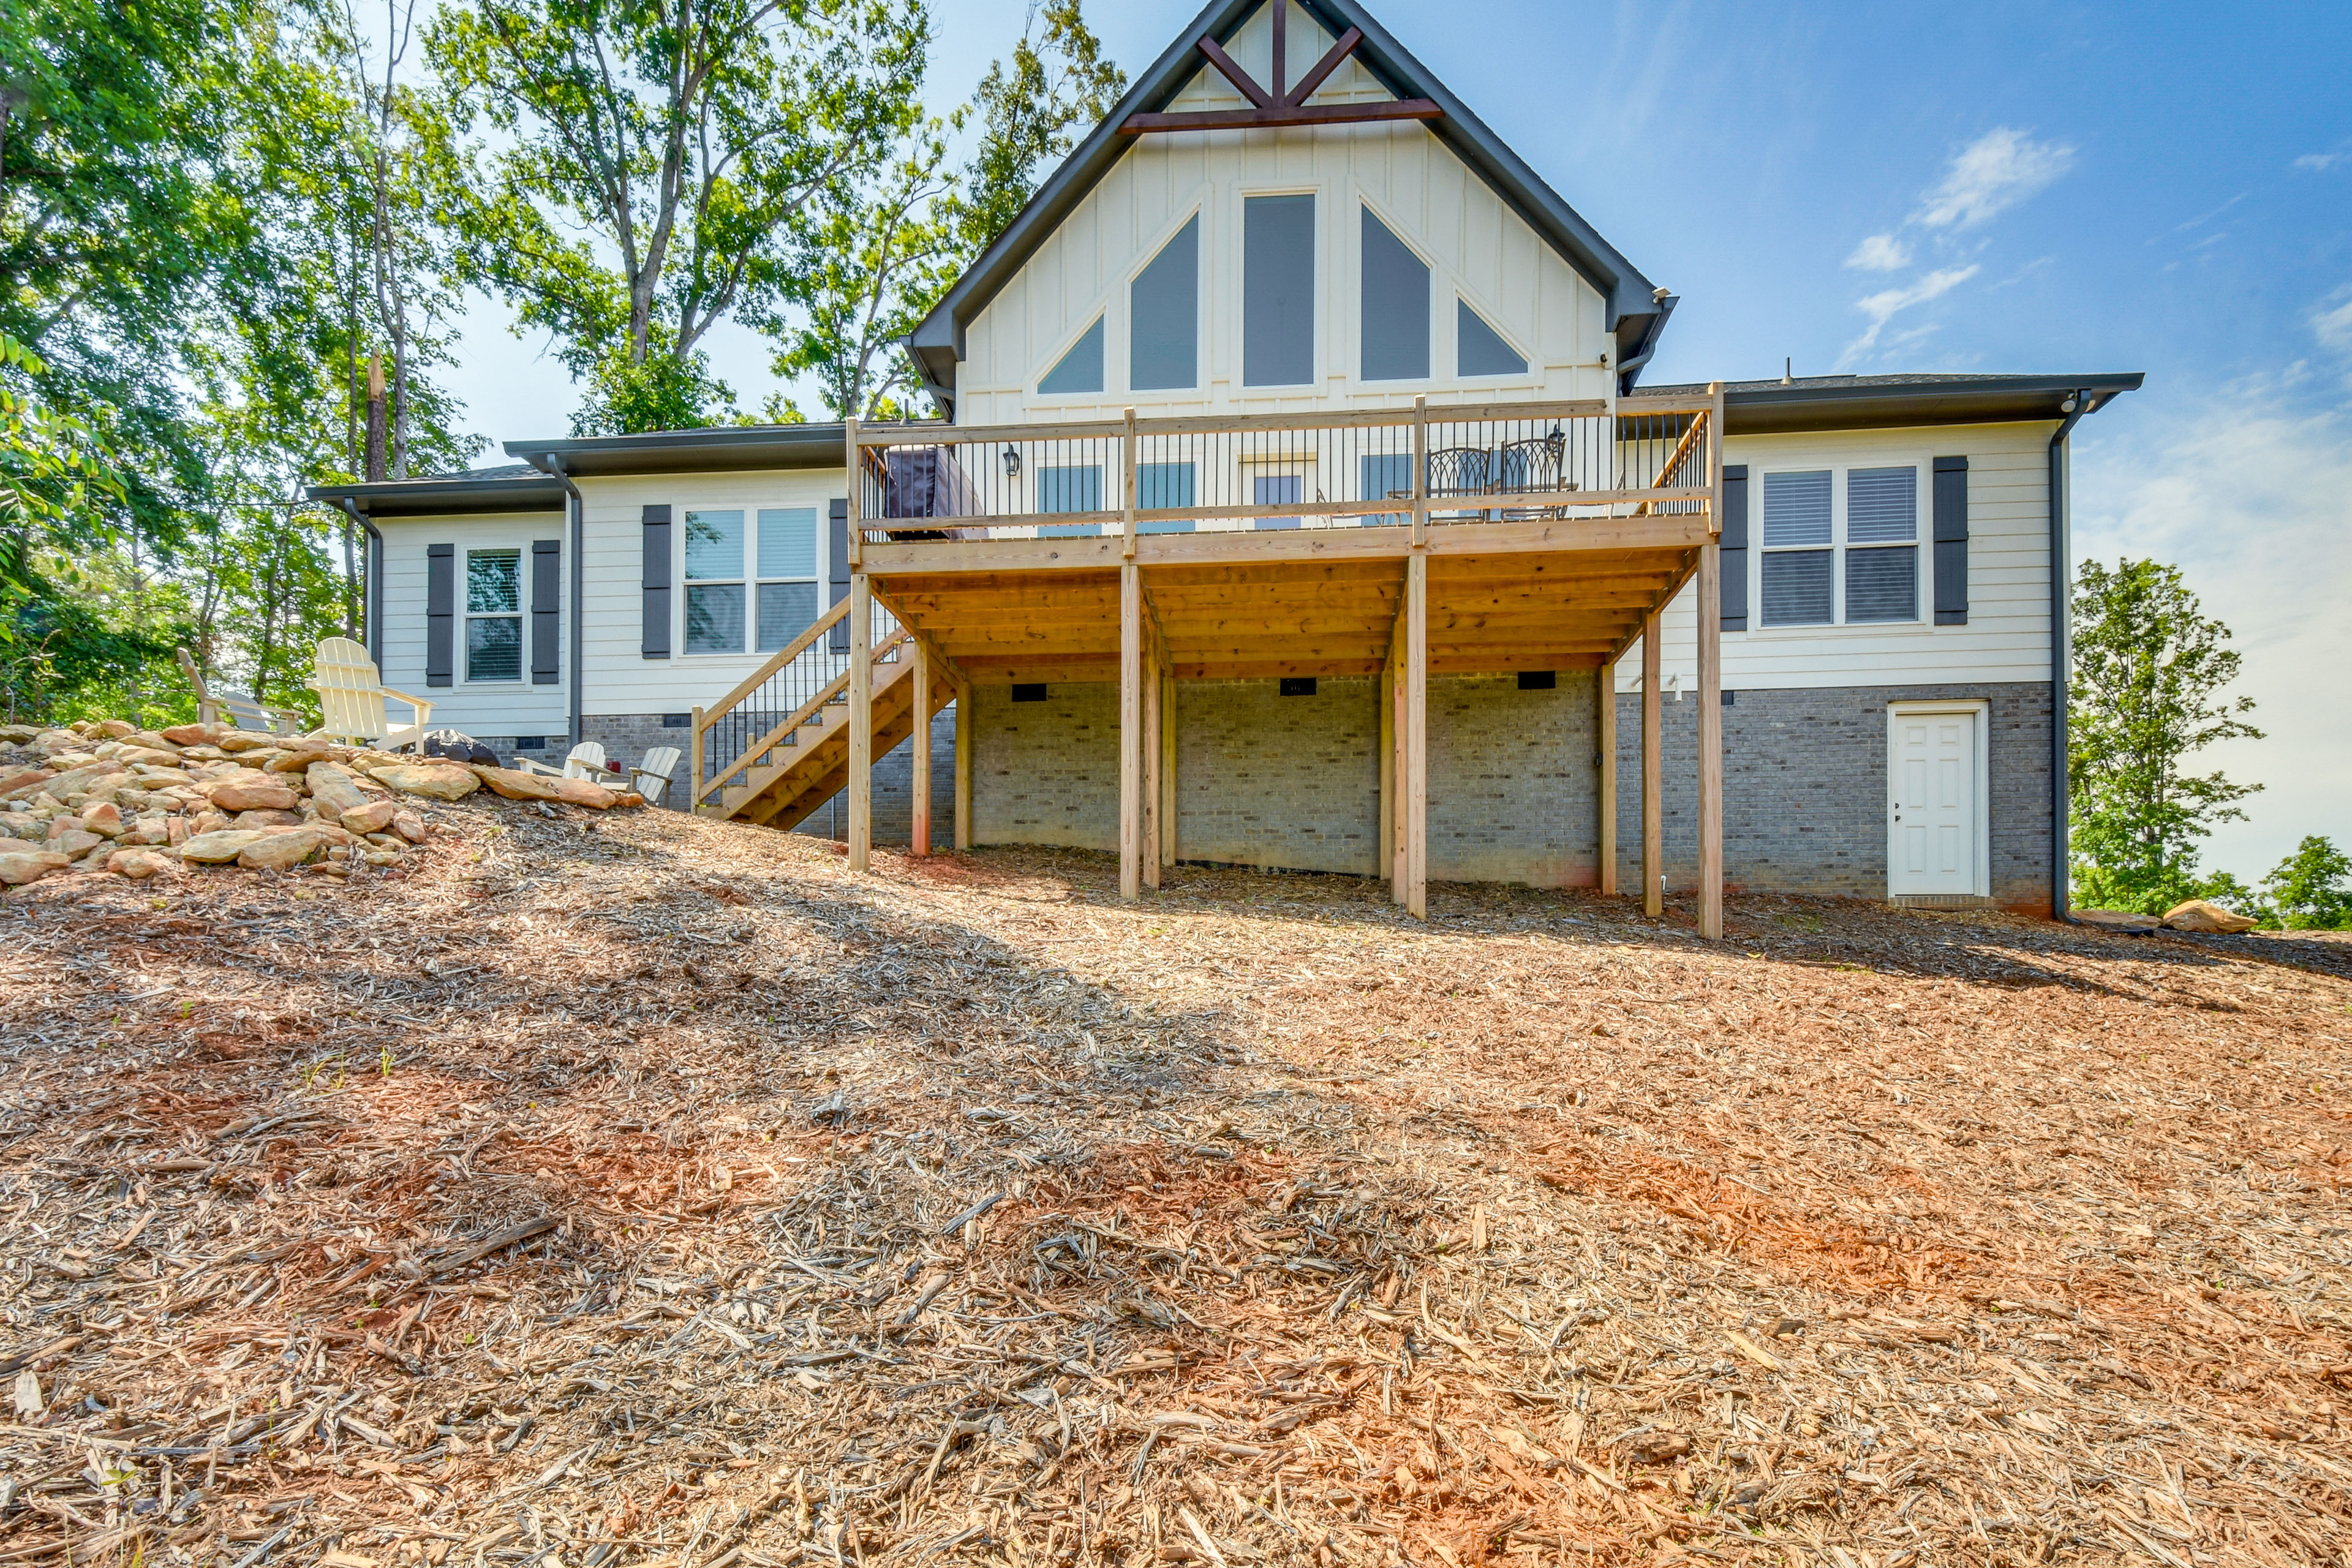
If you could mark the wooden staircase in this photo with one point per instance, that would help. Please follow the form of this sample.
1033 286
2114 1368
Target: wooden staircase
777 747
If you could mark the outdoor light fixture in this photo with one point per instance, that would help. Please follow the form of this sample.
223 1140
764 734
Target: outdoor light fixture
2067 407
1012 461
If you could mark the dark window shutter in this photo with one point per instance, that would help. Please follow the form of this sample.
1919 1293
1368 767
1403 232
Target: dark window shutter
546 607
837 560
656 583
1733 551
1951 504
440 615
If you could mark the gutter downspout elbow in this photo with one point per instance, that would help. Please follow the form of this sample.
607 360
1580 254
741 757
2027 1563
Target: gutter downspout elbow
2062 579
371 581
574 544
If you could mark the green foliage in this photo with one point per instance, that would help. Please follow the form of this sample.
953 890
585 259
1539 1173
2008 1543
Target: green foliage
2149 670
660 392
885 248
647 169
2311 889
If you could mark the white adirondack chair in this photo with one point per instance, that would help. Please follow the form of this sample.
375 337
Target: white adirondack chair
351 697
660 762
586 760
244 712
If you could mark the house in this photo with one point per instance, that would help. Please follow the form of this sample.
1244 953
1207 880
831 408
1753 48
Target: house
1298 503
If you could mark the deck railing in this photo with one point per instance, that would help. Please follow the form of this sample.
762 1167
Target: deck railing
1415 466
765 712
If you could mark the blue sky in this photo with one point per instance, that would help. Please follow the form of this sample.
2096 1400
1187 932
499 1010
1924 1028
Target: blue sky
2164 188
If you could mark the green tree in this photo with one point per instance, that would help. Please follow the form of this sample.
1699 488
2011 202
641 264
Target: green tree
2151 671
651 164
2311 889
885 248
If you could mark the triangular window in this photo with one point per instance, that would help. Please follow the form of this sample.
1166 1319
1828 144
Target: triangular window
1479 348
1081 369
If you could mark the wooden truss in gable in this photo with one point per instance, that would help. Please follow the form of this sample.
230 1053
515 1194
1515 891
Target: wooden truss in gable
1281 104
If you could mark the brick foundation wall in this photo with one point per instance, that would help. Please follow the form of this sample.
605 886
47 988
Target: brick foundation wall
1513 793
1046 772
1272 781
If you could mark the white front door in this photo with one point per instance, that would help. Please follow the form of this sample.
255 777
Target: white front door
1936 821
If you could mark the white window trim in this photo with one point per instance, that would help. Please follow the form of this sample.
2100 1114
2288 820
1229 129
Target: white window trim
520 614
1316 383
1119 314
750 507
1982 709
686 586
1840 467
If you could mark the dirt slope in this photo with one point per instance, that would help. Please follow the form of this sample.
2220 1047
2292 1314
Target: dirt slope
647 1191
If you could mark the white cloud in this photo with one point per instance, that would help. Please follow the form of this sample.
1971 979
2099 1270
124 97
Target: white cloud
2249 492
1883 305
1880 253
2320 162
2332 323
1995 172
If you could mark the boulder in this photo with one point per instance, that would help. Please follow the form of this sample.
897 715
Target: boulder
265 820
256 794
177 831
14 780
584 792
334 789
516 785
628 798
440 781
410 826
69 822
280 851
2126 923
2200 914
216 848
244 741
105 819
19 734
19 825
114 729
373 817
20 846
156 832
193 734
152 741
206 822
299 761
140 864
18 869
152 756
73 842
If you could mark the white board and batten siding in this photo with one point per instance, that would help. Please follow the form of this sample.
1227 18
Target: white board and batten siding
495 708
2007 635
1477 249
617 677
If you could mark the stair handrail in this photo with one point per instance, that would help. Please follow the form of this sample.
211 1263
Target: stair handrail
883 652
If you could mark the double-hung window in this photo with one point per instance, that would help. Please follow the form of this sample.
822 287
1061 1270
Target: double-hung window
1828 564
787 574
494 615
714 582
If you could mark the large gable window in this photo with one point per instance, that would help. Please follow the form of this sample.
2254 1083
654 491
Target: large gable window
1395 307
1080 369
1164 315
1479 348
1277 290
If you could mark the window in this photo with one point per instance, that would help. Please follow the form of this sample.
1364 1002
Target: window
1882 535
1395 307
1158 486
1277 490
1164 315
1081 369
1078 488
494 615
1386 476
714 582
787 580
1277 290
1479 348
1863 557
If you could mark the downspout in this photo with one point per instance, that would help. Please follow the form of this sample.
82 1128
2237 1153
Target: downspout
2061 645
371 575
577 509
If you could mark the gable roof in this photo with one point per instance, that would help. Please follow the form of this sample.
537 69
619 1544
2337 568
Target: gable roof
1635 316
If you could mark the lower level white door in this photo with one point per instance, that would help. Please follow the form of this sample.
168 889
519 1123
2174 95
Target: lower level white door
1935 830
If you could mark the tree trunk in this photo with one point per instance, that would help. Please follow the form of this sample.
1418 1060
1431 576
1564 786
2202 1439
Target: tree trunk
375 421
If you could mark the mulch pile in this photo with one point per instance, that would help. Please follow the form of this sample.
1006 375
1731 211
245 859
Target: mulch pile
629 1190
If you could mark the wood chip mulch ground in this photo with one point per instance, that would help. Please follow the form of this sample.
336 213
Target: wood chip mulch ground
648 1193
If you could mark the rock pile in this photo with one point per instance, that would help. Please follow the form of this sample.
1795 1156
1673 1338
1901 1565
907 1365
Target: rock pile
108 796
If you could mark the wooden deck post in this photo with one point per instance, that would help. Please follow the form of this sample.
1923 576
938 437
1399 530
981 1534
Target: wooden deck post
1387 861
963 765
1710 691
1399 872
1604 747
1131 730
1167 766
1147 744
694 767
1654 858
1416 749
918 833
861 714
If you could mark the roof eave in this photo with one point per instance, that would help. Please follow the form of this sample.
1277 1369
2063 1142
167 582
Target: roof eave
1995 400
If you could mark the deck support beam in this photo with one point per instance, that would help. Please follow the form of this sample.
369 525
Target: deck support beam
1167 766
1710 745
861 720
1416 745
918 825
963 765
1149 743
1131 732
1604 728
1387 861
1654 858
